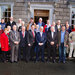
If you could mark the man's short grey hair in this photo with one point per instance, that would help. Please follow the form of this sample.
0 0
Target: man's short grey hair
40 19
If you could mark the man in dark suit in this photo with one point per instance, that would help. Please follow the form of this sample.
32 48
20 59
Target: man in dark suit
52 42
11 23
14 38
23 43
30 43
40 39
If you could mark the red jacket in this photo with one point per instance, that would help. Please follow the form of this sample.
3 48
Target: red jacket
4 42
1 31
73 30
44 28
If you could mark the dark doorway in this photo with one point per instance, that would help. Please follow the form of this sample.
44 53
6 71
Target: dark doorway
44 14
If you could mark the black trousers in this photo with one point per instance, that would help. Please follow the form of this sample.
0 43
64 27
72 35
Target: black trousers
4 56
51 52
30 52
22 53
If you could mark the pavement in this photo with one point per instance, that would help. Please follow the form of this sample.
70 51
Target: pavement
39 68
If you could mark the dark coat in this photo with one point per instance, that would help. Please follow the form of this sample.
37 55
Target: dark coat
10 24
49 38
23 41
30 38
40 39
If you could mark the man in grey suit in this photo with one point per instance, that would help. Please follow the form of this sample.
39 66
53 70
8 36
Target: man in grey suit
14 42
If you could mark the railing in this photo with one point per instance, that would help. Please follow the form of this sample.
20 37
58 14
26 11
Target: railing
71 0
41 0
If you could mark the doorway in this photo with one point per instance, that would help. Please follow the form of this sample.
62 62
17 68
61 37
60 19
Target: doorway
44 14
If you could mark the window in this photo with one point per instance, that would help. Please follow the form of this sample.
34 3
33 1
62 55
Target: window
73 16
5 11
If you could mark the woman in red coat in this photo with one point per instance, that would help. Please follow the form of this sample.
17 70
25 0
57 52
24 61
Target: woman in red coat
4 44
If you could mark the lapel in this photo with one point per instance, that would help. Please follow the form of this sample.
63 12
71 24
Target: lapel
24 34
21 34
31 33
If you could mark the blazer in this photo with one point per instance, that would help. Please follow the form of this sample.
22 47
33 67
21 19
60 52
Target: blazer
66 38
40 39
54 39
30 38
12 37
23 41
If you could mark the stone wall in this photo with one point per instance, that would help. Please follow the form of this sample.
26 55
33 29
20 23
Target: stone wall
62 11
20 10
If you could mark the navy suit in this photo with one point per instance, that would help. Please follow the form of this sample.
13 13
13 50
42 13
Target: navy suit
40 39
23 44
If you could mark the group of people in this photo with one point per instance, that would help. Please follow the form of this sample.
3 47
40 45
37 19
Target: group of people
28 42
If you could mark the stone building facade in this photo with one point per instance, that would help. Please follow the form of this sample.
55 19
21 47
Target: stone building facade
53 10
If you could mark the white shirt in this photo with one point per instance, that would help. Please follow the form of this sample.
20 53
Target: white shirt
11 22
48 26
52 33
58 26
41 33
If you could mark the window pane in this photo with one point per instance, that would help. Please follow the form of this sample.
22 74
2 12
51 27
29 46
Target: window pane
73 16
5 12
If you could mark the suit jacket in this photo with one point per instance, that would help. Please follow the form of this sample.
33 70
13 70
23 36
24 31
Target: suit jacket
66 38
58 29
40 39
54 39
30 38
12 37
23 41
10 24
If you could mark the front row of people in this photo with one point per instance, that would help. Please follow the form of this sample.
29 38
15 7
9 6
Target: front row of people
31 43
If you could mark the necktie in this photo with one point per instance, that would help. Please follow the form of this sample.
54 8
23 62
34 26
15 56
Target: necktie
23 34
15 35
33 34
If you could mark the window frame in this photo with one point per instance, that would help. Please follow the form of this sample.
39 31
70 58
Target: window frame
72 7
11 6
